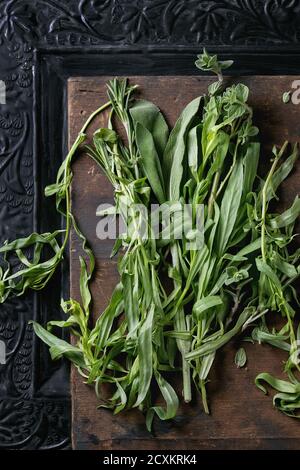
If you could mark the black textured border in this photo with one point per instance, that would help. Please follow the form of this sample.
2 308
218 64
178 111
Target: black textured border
41 44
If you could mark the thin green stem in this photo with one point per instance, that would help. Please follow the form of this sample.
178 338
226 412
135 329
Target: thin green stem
213 194
265 202
69 159
229 172
93 115
186 377
291 328
204 396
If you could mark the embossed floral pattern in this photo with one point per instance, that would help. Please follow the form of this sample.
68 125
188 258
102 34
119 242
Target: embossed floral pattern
71 22
19 419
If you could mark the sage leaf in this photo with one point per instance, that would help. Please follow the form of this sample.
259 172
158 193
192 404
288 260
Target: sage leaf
175 150
150 161
229 207
150 117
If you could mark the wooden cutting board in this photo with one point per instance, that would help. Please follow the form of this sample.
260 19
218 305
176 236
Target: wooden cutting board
241 416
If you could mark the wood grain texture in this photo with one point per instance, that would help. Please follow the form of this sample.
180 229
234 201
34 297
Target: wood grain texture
241 416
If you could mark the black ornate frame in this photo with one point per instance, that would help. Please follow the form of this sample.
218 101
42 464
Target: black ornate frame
42 43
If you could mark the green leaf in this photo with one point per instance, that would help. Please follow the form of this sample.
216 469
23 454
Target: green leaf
277 384
286 97
206 364
221 151
235 275
283 266
107 135
282 172
214 88
268 271
170 398
288 217
131 304
242 92
247 250
176 149
250 166
150 117
240 358
150 161
102 329
279 341
33 239
289 404
145 356
214 345
193 150
229 207
84 286
210 63
225 64
58 347
205 304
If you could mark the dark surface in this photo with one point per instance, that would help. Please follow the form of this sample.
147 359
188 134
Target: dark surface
42 43
242 417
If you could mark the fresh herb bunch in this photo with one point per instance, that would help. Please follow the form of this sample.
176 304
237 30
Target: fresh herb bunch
243 269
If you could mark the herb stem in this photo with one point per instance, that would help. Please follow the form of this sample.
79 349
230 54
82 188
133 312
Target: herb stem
291 328
186 371
93 115
68 164
229 172
204 396
213 194
264 201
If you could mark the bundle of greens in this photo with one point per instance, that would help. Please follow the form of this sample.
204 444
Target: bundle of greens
243 267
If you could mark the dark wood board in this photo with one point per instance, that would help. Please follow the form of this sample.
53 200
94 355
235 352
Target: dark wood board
241 416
